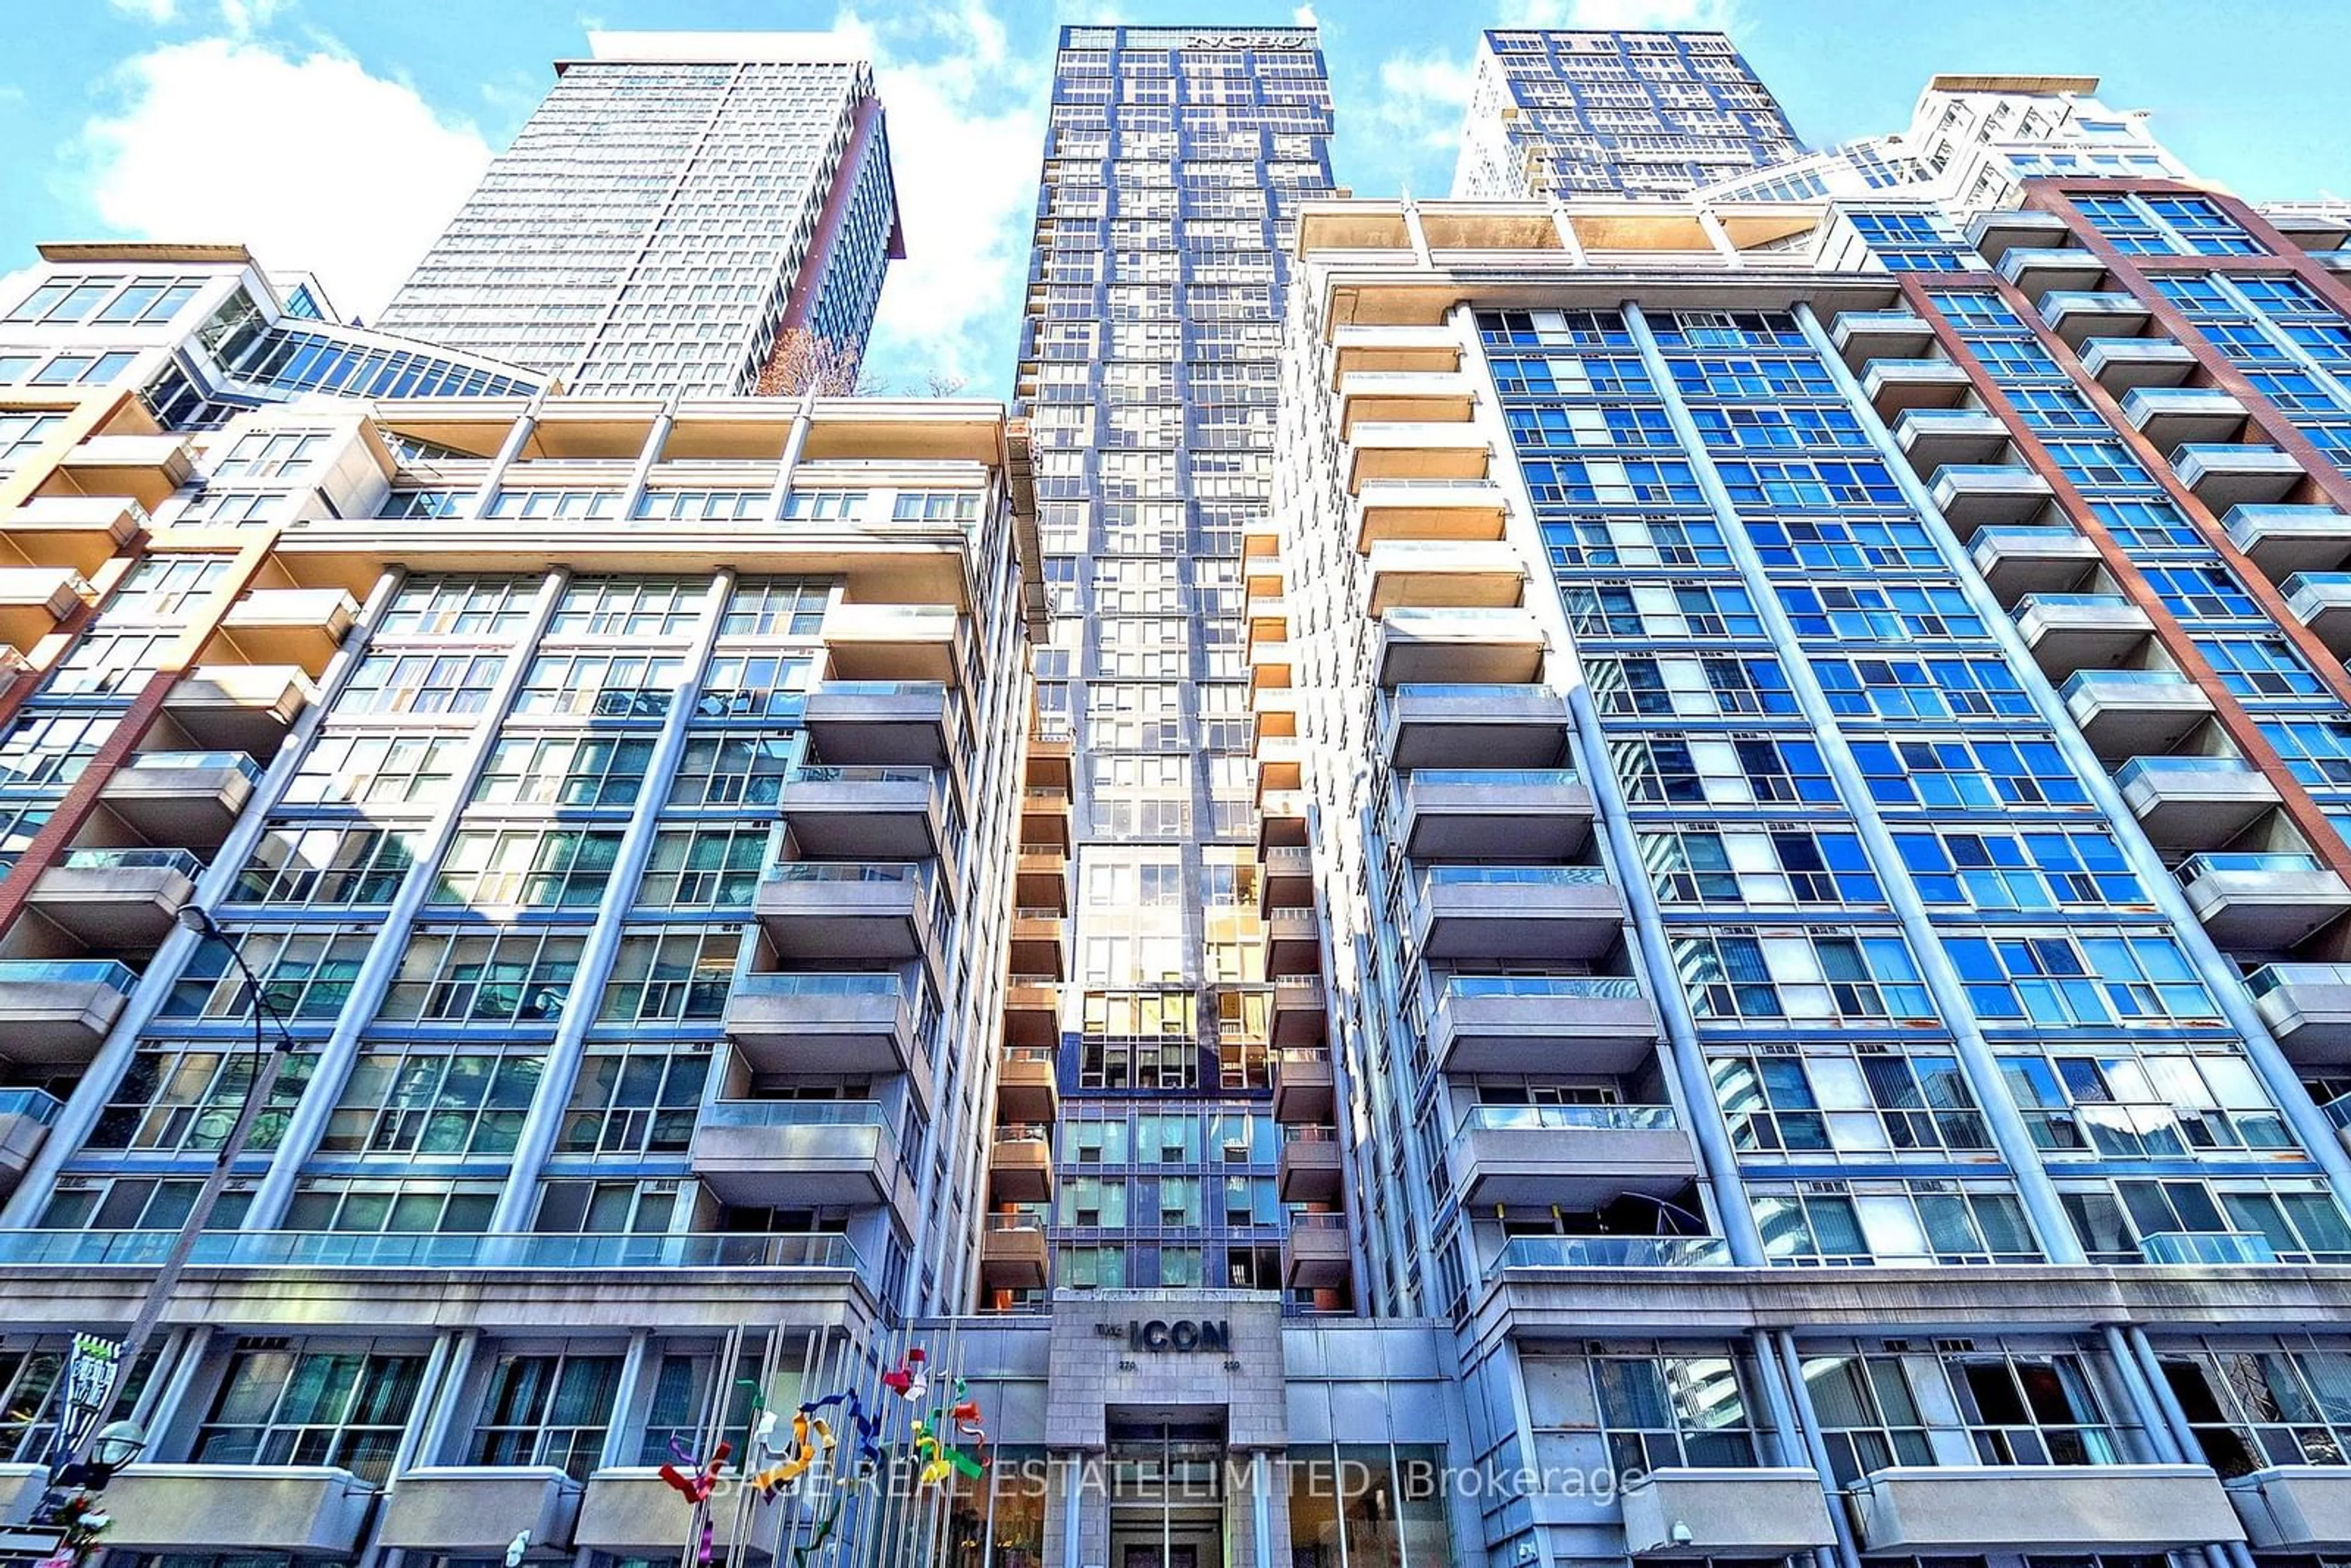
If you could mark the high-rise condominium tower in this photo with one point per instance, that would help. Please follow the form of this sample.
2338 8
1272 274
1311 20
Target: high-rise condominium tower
1711 911
1568 115
1175 164
679 206
1828 771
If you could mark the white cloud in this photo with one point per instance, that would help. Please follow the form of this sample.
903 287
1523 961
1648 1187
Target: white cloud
1422 99
1621 15
243 16
156 11
966 121
1304 16
312 161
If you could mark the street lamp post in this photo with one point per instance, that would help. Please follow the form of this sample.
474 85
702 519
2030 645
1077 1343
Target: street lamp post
122 1439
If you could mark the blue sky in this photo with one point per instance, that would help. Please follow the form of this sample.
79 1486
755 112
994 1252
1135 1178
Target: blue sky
340 134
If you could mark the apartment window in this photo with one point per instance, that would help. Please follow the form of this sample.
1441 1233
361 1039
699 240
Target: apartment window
549 506
670 977
165 588
551 1410
1968 775
823 506
520 975
752 685
1923 688
183 1098
427 504
2071 979
1661 1411
306 974
106 664
703 506
682 1401
150 300
528 868
270 454
2260 667
1870 613
2145 1105
1819 1103
2199 220
488 608
603 686
388 682
734 771
340 1409
326 865
714 867
2297 1220
2257 1404
1800 976
1877 1410
2005 870
1796 483
360 1207
433 1103
1761 868
642 1208
565 770
634 1101
19 825
629 609
375 770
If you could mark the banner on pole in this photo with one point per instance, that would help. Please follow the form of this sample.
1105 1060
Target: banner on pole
91 1371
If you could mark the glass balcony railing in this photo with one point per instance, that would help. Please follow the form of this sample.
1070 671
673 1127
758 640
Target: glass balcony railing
194 761
1497 777
428 1249
2269 977
104 972
865 773
2075 601
1458 691
2092 680
793 1113
2224 864
1570 1118
848 870
2139 767
2338 1111
2207 1247
2318 582
2023 537
1613 1252
880 689
34 1103
855 983
180 861
1515 876
1564 987
1016 1222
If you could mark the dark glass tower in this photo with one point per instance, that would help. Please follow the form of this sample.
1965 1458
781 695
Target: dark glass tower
1174 163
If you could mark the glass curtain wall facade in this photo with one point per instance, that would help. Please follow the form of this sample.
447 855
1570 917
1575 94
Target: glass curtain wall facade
1176 162
675 204
1833 779
1568 115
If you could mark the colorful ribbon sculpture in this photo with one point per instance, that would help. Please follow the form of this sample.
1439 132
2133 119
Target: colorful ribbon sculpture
910 1379
696 1486
811 1440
